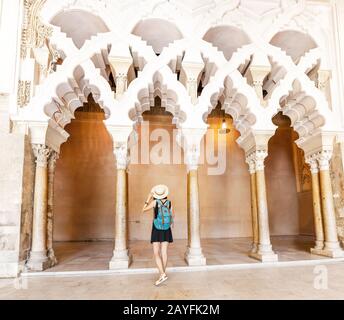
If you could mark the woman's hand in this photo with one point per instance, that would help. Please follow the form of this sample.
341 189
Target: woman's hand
148 204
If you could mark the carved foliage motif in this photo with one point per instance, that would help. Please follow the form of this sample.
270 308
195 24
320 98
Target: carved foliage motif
24 90
34 31
303 171
337 178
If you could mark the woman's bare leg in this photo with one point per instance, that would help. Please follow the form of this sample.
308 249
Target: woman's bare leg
157 257
164 247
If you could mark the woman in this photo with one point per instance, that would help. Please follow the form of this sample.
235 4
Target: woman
160 239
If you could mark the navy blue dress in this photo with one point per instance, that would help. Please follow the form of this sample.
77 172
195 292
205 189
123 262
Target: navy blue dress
161 235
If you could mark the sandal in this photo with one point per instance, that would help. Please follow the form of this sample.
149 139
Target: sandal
162 279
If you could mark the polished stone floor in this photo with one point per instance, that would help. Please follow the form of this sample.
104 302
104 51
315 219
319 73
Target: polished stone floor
298 282
257 282
74 256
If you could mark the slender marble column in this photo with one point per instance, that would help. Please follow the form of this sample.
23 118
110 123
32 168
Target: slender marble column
318 223
194 255
50 222
254 209
264 252
121 258
38 256
332 247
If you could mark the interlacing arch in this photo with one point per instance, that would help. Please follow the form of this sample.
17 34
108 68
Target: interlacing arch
87 70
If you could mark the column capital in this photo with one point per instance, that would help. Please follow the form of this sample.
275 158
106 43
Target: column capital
42 153
192 155
190 140
323 157
192 67
313 163
257 157
250 160
122 154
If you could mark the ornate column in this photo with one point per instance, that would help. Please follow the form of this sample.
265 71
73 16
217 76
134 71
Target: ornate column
192 139
38 256
254 209
50 215
192 67
318 223
121 258
120 60
332 247
264 252
259 68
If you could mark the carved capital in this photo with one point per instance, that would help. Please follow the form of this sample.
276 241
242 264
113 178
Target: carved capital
192 154
324 158
42 153
190 140
260 158
313 163
250 160
122 155
34 31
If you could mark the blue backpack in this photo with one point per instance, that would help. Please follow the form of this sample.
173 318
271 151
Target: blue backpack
163 219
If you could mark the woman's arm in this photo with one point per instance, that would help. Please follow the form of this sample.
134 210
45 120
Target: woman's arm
149 204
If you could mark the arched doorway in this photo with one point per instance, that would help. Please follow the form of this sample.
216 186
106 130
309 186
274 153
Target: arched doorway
84 189
226 225
289 189
156 158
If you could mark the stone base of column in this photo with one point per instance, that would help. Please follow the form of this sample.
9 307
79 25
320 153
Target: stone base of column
329 252
254 248
38 261
264 254
264 257
195 257
319 245
120 260
52 258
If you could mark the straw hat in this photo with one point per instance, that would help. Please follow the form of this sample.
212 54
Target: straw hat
160 191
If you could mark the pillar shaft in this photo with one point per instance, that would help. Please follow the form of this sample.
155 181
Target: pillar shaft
318 221
194 255
38 256
332 246
264 232
121 258
50 209
264 252
121 211
193 208
254 211
331 238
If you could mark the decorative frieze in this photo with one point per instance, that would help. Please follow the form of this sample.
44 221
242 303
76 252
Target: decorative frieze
24 92
122 156
34 31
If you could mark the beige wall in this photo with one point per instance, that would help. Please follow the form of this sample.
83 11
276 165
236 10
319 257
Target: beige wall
85 182
281 184
85 186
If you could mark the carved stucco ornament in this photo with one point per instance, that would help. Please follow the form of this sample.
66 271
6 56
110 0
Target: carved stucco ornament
34 32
